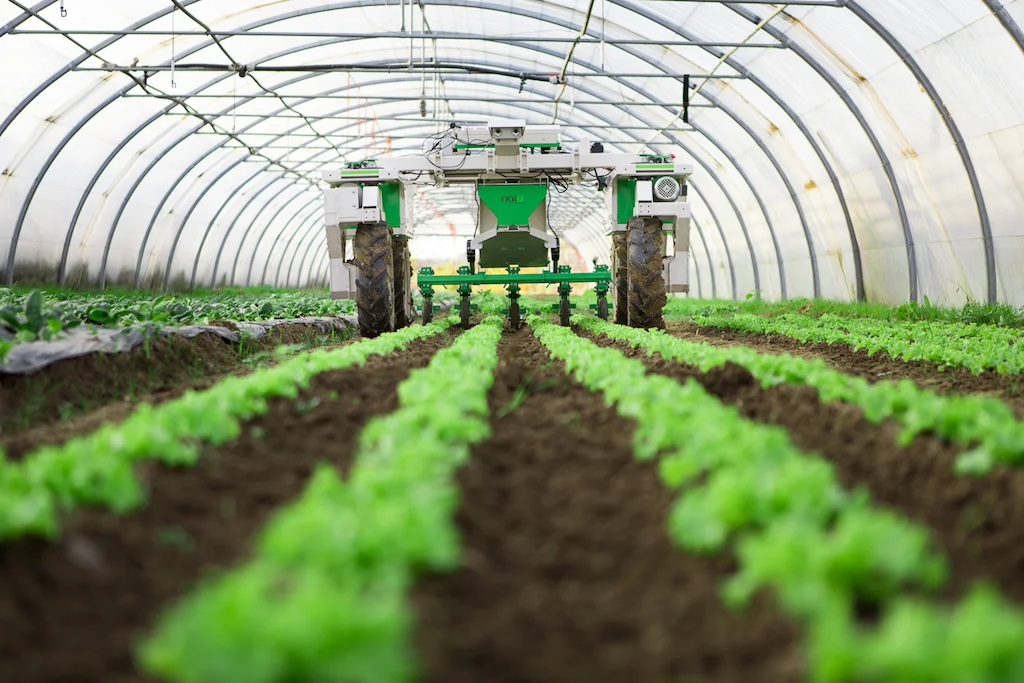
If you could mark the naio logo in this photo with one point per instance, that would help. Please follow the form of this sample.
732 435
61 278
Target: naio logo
512 199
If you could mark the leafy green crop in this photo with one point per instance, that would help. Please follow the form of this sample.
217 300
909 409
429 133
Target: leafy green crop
37 315
823 551
97 469
985 426
1003 315
975 347
27 320
324 597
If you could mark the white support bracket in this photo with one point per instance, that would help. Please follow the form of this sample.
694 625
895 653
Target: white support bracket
343 279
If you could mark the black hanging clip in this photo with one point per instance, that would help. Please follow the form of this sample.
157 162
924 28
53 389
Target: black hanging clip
63 9
686 98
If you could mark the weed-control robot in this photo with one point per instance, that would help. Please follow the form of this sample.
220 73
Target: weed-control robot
513 169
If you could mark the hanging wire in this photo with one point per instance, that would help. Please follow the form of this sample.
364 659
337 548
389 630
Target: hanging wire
173 51
721 60
156 93
63 9
604 25
568 58
244 71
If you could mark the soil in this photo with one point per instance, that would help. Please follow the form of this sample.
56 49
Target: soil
880 366
59 396
569 574
978 523
69 610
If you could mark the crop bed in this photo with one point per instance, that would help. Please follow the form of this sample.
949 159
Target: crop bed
593 503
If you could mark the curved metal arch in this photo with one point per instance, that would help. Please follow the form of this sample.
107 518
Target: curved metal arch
954 131
70 66
159 208
311 233
728 257
312 279
804 130
263 233
815 274
195 264
303 228
314 241
256 247
231 227
851 105
707 255
188 214
764 210
299 215
1003 15
298 193
37 181
62 265
696 274
343 6
284 254
16 235
127 198
306 229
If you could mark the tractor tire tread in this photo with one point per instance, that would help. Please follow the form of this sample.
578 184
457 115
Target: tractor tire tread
647 295
375 284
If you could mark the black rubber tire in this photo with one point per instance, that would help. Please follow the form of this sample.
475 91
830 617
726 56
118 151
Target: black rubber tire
514 320
602 307
375 285
564 311
620 277
647 297
405 312
428 310
464 311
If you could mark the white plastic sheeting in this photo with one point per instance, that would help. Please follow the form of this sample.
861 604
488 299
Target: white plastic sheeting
857 148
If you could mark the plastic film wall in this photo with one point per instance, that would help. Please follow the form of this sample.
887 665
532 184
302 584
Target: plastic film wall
842 148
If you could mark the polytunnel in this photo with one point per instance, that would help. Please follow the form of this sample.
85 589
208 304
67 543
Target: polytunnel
849 149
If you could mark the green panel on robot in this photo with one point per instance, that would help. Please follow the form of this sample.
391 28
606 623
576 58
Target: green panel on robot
625 195
512 204
391 202
513 248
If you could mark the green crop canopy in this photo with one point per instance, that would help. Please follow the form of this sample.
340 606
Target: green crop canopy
850 149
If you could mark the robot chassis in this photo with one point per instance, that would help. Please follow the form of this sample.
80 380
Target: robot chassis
513 167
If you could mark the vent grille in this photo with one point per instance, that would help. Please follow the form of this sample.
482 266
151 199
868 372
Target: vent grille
666 189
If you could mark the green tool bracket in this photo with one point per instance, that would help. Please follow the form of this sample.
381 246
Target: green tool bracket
465 279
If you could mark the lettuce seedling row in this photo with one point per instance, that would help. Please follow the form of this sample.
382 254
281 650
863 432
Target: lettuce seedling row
334 584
